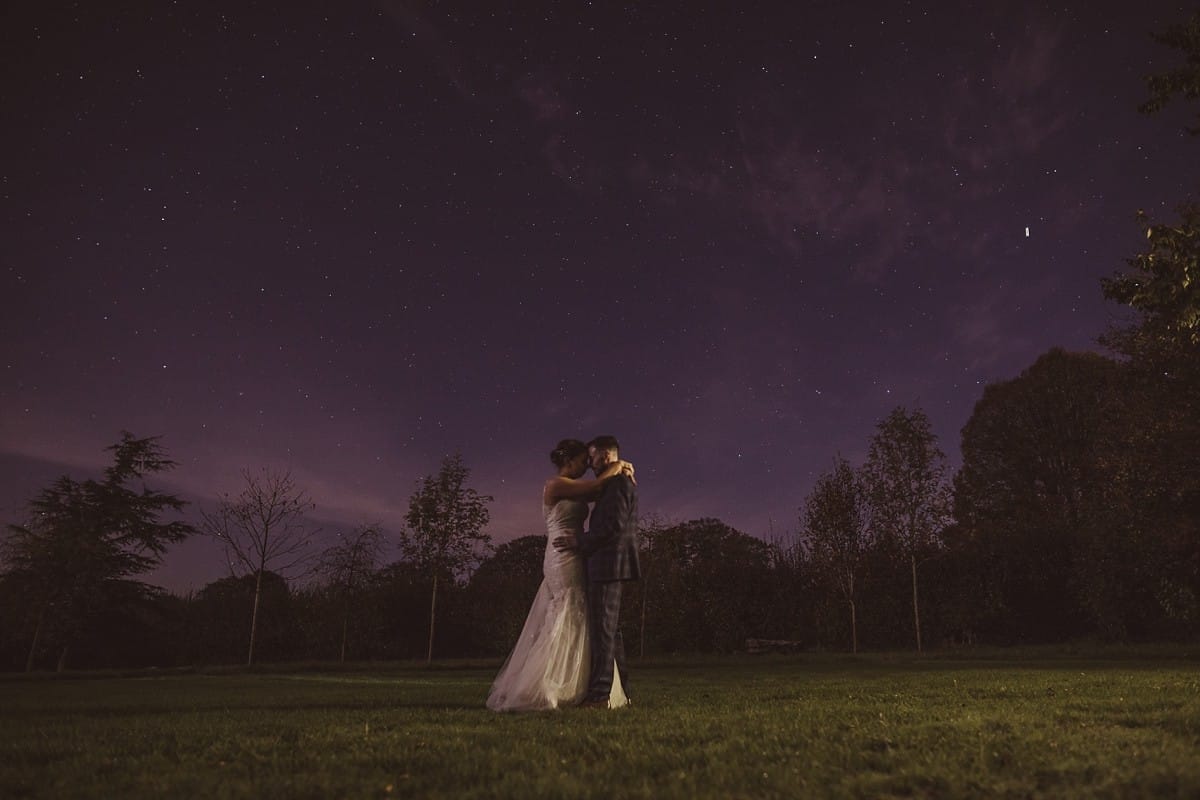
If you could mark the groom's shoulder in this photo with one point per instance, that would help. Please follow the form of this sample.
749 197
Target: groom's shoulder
625 484
618 484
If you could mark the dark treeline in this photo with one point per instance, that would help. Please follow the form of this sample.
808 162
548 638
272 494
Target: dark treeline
1075 514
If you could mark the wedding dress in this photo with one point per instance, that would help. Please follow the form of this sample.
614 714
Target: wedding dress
548 665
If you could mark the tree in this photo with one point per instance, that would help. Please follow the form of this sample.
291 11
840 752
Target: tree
705 586
347 568
1162 348
1035 499
219 618
502 588
86 541
263 528
649 527
907 489
1161 438
1163 286
834 523
1184 80
444 526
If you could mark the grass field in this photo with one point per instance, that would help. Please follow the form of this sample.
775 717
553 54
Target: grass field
804 726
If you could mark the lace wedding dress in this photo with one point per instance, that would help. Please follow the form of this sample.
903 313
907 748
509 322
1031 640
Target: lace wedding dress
548 666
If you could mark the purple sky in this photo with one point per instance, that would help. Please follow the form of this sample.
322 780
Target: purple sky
348 239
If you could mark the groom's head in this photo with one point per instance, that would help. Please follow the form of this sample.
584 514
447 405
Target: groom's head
602 451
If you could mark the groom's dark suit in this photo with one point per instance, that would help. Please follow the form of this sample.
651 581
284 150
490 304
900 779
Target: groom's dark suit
610 547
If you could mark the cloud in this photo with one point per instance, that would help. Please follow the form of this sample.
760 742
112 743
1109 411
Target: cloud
542 94
565 146
873 178
1002 114
211 460
991 333
802 192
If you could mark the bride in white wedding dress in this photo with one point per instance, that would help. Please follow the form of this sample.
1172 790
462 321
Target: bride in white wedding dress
548 666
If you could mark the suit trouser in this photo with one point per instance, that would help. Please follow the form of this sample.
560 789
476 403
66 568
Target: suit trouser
604 614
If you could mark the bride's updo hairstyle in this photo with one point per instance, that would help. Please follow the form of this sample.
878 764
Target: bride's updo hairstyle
566 450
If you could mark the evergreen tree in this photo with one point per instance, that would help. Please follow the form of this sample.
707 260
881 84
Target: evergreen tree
86 541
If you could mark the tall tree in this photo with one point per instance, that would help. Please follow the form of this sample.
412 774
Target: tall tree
1160 455
908 490
1156 464
444 529
262 529
650 526
1030 497
347 568
834 523
86 541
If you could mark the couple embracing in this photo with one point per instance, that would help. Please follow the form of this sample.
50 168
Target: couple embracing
570 651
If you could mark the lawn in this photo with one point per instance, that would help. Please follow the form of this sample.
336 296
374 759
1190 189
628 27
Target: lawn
802 726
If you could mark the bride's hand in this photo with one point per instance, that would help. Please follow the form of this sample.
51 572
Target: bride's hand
627 469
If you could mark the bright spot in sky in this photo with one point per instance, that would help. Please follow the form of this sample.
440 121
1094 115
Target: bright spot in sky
1026 231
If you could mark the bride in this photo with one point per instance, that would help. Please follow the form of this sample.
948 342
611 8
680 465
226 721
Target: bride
548 665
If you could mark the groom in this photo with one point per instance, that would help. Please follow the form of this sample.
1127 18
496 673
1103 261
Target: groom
610 547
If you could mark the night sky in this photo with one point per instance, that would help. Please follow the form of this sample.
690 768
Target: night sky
349 239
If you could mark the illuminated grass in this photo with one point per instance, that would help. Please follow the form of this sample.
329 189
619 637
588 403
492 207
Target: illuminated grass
745 727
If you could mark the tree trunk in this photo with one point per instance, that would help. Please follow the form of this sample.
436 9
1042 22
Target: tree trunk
432 606
853 627
254 617
62 659
642 634
345 624
916 606
37 634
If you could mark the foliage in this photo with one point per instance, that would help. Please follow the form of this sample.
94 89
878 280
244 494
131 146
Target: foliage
348 565
834 524
1183 80
504 586
400 601
907 491
905 480
219 619
1034 498
445 522
1152 491
348 568
707 587
444 532
86 541
1163 286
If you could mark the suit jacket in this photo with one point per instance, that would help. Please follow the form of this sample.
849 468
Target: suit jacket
610 542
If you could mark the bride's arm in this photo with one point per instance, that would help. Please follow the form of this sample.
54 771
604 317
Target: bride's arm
581 488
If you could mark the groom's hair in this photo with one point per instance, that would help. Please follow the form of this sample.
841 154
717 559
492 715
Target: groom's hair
604 443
